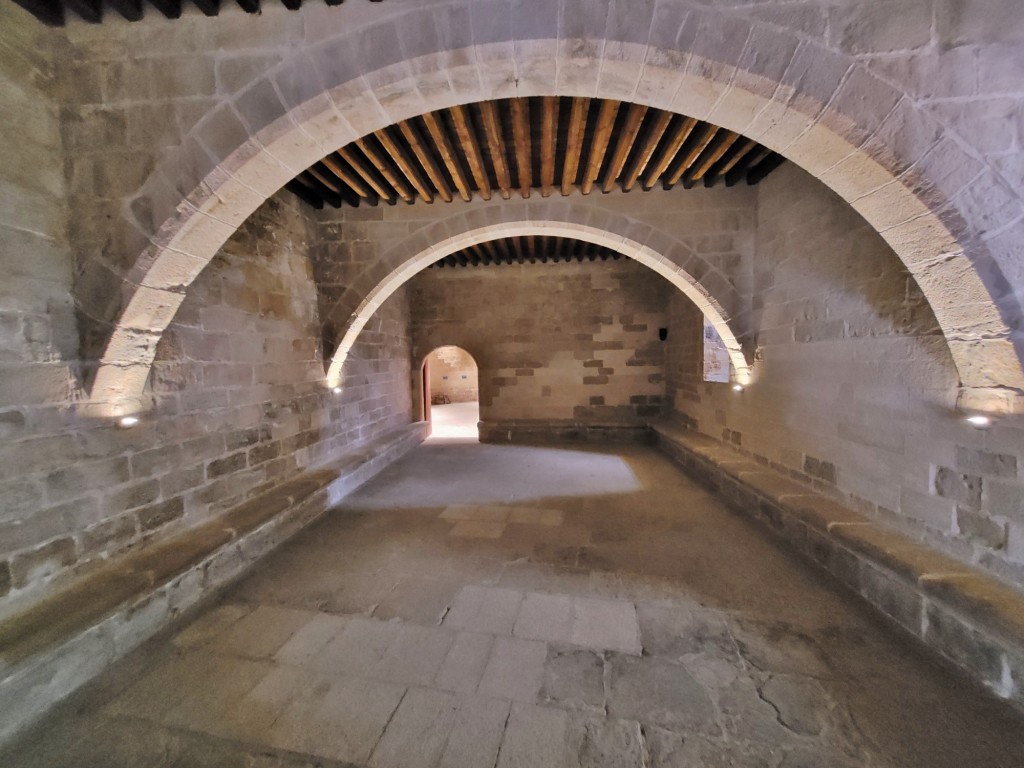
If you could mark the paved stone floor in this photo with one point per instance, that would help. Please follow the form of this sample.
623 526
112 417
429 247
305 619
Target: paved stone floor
455 421
481 605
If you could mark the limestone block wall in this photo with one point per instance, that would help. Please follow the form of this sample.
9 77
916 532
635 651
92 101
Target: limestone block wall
37 324
453 373
239 405
929 89
555 343
854 389
709 232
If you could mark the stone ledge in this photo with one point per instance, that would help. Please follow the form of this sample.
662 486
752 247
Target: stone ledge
970 618
527 432
59 644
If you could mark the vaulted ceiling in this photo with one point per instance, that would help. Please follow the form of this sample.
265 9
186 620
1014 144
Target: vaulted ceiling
530 249
525 145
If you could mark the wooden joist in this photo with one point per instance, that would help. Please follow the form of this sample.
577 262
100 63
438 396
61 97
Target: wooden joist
514 146
522 250
54 13
599 143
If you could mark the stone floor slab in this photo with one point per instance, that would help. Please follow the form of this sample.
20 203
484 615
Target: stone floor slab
310 640
536 736
476 734
359 647
545 617
515 669
345 722
609 625
416 736
484 609
464 665
260 633
750 658
415 656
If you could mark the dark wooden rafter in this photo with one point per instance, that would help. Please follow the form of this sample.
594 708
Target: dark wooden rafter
447 151
54 13
574 143
599 143
496 147
742 168
523 144
366 173
549 135
471 149
384 167
514 146
634 116
650 142
426 159
682 164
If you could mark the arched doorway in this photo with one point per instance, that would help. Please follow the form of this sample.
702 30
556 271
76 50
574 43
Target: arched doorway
451 394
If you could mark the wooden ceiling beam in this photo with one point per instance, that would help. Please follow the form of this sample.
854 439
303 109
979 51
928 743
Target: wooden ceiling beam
712 155
412 135
304 193
683 164
169 8
325 193
626 137
251 6
208 7
574 142
677 137
325 177
728 161
739 171
445 148
130 10
88 10
380 162
50 12
471 149
366 174
764 167
599 144
520 109
650 143
353 180
496 147
405 164
548 144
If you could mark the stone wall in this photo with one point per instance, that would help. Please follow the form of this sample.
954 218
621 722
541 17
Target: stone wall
240 405
37 324
556 344
453 374
930 90
854 389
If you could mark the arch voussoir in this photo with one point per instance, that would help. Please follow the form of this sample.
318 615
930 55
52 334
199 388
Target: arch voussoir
798 97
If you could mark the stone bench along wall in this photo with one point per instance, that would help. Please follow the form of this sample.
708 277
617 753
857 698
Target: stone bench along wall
971 619
240 405
556 344
854 389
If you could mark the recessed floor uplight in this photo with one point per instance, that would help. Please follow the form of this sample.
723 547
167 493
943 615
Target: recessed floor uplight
737 387
979 421
127 421
336 390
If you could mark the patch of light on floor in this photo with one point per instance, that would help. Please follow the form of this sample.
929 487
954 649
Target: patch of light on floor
481 473
455 421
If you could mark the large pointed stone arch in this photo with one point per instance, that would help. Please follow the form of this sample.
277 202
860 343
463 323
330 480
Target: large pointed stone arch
857 134
670 258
